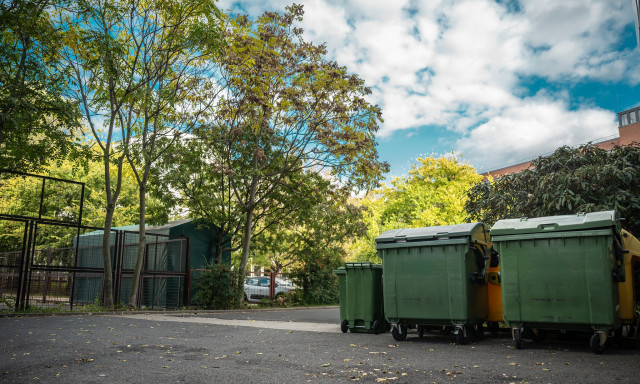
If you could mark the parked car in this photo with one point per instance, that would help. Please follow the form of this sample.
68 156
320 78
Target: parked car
257 288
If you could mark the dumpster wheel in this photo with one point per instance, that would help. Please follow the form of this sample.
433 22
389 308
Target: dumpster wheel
517 337
479 331
399 332
420 331
598 342
376 327
462 335
344 326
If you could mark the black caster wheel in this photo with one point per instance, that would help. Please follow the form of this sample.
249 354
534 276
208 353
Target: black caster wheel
399 332
517 338
462 335
344 326
597 345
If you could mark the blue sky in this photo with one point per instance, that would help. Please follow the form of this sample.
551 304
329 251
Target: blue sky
496 80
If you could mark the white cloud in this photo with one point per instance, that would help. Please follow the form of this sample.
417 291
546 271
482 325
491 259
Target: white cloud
459 64
533 127
565 35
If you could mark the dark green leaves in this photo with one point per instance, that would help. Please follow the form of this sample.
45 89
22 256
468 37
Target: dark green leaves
584 179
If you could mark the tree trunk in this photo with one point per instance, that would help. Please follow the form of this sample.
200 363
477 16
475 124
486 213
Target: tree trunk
107 289
112 198
142 246
217 259
246 240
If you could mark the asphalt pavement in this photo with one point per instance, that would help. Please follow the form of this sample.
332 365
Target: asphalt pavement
281 346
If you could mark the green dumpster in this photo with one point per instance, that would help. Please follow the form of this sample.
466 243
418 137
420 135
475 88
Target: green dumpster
435 276
342 289
562 273
360 287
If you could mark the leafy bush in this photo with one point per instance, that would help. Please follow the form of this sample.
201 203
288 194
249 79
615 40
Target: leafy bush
286 300
319 283
571 180
216 288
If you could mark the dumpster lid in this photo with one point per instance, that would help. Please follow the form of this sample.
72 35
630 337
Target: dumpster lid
340 271
361 265
580 221
430 233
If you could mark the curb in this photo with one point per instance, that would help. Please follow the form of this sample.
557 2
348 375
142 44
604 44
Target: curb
178 312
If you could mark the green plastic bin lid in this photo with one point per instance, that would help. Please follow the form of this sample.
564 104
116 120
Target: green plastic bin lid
362 265
340 271
580 221
430 233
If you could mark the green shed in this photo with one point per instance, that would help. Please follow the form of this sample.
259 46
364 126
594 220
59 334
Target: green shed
178 253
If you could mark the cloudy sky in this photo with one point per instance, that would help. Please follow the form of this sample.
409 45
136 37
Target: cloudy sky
497 80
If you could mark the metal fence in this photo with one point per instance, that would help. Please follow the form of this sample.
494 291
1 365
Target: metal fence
48 259
62 266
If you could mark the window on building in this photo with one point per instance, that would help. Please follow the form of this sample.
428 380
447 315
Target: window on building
632 117
623 119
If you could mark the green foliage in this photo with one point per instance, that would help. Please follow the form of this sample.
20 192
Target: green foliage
283 112
285 300
7 304
584 179
434 193
319 283
217 288
37 121
94 307
20 195
312 244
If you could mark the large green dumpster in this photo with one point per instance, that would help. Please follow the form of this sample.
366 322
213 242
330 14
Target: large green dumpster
561 272
435 276
360 287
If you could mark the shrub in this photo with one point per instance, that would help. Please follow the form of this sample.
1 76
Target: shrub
319 285
216 288
285 300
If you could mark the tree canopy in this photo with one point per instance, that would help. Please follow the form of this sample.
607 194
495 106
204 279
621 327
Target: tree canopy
571 180
281 113
433 193
37 123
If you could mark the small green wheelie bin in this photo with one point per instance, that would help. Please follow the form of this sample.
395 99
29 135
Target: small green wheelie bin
342 290
360 286
561 273
435 276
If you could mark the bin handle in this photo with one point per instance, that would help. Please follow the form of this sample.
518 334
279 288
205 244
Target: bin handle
481 261
619 273
495 258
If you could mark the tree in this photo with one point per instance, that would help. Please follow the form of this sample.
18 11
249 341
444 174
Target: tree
129 62
318 245
434 193
103 80
37 123
325 225
175 43
286 111
584 179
